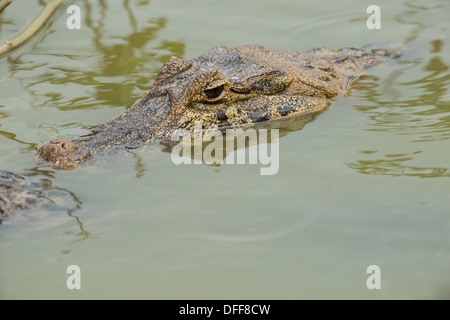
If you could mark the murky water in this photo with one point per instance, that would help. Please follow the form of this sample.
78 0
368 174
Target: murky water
366 183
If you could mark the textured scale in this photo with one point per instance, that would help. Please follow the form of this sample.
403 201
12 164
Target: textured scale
224 88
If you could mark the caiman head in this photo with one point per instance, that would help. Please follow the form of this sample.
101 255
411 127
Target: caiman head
224 89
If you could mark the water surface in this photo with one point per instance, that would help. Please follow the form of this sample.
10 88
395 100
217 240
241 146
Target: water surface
366 183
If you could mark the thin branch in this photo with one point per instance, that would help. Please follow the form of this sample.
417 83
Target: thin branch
4 4
33 28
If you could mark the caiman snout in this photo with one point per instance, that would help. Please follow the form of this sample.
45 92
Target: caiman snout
62 152
59 146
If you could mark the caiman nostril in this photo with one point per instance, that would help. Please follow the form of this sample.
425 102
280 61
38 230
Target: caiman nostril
63 153
56 148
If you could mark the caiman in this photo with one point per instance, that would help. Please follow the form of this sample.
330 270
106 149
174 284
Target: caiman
224 88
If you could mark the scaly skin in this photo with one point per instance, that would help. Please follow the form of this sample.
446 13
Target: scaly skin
18 193
224 88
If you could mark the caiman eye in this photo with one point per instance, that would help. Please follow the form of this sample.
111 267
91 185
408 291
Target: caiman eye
214 92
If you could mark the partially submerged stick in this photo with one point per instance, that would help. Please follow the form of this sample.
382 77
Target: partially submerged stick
4 4
33 28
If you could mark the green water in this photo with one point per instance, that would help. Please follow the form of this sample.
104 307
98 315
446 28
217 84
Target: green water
366 183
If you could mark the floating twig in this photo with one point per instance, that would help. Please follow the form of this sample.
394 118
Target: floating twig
4 4
33 28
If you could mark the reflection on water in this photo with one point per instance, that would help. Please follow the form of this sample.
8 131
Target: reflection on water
215 147
416 107
409 105
65 201
128 57
12 136
122 63
140 165
396 165
423 111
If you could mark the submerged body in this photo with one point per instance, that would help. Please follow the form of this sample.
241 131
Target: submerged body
225 88
18 193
